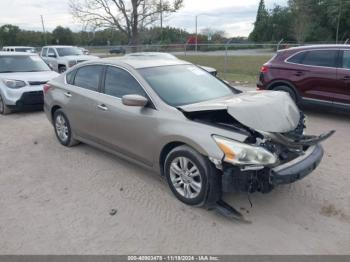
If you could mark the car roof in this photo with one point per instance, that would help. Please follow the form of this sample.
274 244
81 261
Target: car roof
151 54
141 63
58 46
307 47
17 46
2 53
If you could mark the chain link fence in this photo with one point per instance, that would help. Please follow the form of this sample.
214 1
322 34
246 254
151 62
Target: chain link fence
235 62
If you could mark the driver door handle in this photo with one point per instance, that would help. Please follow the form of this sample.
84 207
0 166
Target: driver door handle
102 107
68 94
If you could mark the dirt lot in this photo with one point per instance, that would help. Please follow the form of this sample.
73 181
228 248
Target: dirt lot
55 200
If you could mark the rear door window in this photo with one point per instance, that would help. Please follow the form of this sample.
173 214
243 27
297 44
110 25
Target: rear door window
119 82
88 77
346 60
325 58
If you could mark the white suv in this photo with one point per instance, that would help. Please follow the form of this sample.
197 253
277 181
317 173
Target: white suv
28 49
60 58
22 76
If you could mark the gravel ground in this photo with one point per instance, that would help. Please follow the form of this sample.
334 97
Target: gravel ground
57 200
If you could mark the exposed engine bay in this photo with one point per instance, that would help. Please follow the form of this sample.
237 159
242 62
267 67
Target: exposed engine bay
287 146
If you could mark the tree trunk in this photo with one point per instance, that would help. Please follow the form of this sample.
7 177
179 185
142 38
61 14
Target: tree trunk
134 24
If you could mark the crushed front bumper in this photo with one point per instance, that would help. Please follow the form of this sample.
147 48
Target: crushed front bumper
297 168
264 180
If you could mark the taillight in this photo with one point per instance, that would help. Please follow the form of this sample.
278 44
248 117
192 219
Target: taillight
46 88
264 69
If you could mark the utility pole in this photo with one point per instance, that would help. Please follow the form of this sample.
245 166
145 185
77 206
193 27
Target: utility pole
161 20
42 23
196 32
161 14
339 16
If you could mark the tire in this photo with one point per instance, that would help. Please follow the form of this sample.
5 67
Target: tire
288 90
192 187
63 129
62 69
4 109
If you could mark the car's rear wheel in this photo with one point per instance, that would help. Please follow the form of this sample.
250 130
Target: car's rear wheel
288 90
187 174
63 129
4 110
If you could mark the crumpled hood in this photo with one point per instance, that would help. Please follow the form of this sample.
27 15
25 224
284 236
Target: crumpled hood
268 111
42 76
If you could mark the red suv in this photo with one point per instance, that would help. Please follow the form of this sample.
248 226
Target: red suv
318 74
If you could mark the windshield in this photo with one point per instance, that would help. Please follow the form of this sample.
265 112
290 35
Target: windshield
184 84
9 64
66 51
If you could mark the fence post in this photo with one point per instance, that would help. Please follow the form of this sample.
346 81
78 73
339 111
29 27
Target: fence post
225 61
279 43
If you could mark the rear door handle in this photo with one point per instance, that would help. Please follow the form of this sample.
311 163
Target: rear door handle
102 107
346 77
68 94
299 73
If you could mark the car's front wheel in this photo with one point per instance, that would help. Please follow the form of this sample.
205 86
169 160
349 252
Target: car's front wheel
63 129
4 110
62 69
187 174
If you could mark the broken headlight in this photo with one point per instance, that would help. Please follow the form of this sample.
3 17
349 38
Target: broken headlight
242 154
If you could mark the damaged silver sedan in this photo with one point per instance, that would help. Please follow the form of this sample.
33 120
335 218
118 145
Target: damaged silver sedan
204 136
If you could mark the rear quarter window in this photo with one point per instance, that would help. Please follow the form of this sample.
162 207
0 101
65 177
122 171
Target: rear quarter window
70 77
88 77
297 58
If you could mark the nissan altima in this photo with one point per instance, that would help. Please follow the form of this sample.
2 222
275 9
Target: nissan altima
204 136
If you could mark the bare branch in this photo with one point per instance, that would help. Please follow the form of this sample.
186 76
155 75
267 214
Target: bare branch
125 15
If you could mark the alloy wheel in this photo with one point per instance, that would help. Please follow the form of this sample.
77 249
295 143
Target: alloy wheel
61 128
185 177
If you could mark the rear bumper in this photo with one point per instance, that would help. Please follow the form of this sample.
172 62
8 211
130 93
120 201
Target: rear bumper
29 100
233 179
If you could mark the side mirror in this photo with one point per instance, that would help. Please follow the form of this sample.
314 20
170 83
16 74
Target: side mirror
134 100
51 55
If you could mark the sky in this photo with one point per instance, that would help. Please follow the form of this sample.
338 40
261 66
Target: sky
235 17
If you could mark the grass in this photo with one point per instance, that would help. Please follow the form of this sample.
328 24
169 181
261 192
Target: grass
240 69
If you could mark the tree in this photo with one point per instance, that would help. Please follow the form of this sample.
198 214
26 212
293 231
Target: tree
62 36
9 35
280 20
215 35
127 16
261 30
302 18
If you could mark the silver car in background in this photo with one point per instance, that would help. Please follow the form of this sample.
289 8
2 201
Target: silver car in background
175 118
160 55
22 76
